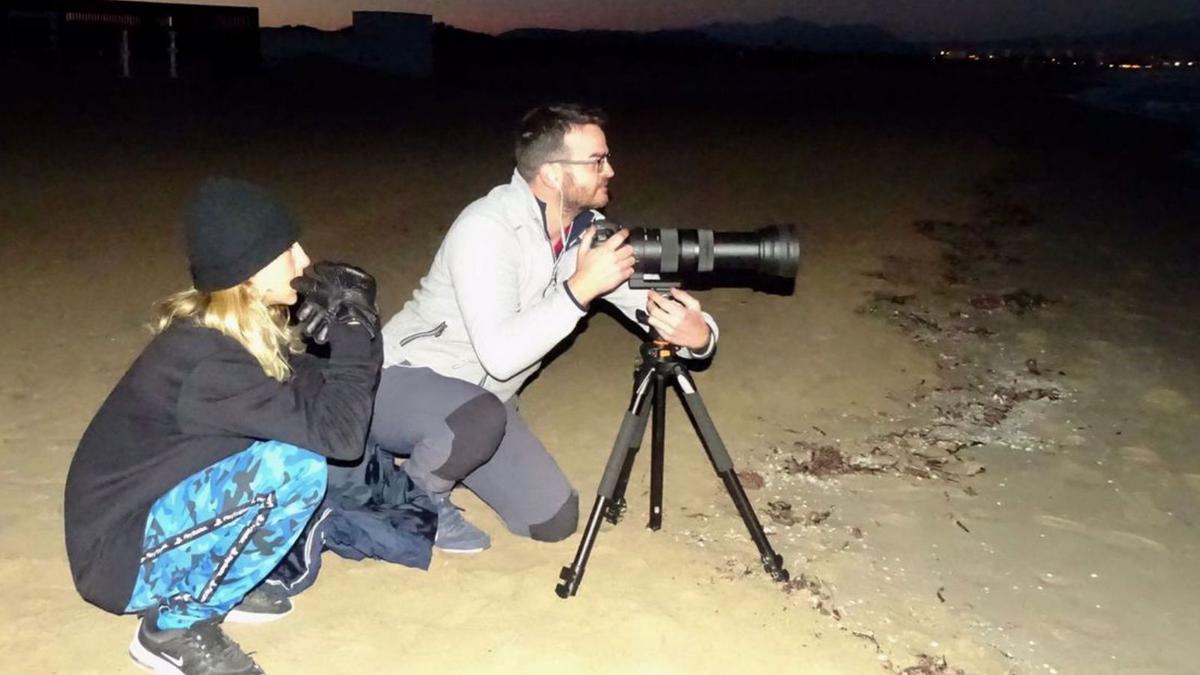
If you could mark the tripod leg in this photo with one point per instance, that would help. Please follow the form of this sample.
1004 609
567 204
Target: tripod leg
616 472
657 434
617 505
772 561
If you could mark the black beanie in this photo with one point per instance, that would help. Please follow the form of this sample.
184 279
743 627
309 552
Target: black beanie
234 229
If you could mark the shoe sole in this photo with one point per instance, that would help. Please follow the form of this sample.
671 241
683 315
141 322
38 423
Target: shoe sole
461 551
146 660
239 616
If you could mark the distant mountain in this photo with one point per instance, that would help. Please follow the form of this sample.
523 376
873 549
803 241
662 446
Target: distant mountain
1165 38
783 33
663 37
789 33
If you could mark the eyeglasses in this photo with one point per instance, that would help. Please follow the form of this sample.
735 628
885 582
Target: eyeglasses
598 163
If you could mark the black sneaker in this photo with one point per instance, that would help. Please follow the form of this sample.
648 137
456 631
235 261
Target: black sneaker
202 649
267 602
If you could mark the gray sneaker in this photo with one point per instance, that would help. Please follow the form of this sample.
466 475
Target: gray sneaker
454 533
202 649
265 603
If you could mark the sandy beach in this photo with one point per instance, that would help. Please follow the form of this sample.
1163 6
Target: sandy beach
970 431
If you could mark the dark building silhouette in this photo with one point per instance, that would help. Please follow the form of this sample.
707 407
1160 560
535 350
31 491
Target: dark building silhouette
103 38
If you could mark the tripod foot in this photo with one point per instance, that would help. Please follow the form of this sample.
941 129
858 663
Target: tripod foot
568 584
615 510
773 564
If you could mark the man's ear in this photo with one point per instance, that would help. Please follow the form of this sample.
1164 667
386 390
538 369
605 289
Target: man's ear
551 175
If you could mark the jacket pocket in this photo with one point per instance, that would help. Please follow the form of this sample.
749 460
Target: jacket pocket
436 331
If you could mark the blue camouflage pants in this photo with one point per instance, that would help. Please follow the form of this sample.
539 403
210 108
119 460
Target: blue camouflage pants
217 534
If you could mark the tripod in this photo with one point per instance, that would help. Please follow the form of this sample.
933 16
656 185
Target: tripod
660 364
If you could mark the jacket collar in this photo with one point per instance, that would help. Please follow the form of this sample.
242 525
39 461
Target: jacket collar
528 204
536 213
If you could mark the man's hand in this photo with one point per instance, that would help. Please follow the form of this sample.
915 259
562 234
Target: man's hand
678 319
601 269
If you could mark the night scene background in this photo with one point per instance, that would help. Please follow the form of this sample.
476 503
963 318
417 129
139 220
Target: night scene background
970 429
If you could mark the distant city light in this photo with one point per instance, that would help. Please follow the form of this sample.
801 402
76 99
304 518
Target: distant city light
1067 59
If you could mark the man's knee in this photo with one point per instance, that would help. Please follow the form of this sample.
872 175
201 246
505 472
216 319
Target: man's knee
561 525
477 427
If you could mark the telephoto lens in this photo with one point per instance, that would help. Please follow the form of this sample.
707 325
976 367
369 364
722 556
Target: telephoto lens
696 258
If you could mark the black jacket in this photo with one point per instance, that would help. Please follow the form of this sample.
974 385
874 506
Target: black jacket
192 398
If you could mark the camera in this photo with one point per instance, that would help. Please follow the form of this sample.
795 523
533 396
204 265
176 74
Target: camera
765 259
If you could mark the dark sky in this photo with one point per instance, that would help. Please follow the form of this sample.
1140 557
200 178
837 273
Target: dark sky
911 19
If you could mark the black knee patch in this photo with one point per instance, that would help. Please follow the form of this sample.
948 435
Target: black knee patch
478 427
561 525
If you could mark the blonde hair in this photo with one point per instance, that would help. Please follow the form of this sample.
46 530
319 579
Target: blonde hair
240 313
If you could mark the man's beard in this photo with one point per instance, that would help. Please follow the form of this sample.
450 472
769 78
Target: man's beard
577 198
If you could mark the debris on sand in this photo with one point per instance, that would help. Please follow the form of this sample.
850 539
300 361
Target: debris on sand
734 569
892 298
781 512
820 597
920 452
875 461
897 270
927 452
1004 399
970 243
913 319
792 466
751 480
930 325
1017 302
987 301
1010 395
822 461
930 665
969 469
817 517
980 392
1021 300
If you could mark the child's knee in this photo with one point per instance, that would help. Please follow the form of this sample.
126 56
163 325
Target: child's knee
297 472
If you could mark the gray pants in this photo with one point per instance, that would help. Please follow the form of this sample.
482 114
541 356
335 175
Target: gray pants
454 431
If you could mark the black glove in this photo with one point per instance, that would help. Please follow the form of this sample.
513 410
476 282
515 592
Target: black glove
336 293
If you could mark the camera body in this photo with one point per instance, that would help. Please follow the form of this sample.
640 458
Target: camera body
698 258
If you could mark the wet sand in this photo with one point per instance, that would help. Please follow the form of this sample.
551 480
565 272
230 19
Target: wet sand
989 359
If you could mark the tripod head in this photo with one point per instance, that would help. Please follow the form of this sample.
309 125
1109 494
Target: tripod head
658 349
660 357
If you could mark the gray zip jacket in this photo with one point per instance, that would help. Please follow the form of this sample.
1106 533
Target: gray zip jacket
495 300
